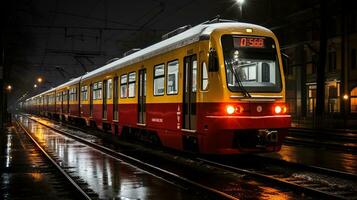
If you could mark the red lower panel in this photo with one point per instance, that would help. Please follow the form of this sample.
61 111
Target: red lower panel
109 116
128 114
215 130
85 112
74 110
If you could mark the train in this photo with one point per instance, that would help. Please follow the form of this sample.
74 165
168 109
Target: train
214 88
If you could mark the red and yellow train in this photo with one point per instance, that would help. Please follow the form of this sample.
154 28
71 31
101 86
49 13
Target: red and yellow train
216 88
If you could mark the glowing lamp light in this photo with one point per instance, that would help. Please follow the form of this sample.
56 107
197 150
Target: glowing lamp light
236 109
230 109
39 80
9 87
285 109
345 97
278 109
35 86
240 1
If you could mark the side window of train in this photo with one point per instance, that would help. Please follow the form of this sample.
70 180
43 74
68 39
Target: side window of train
159 80
123 86
172 77
73 94
194 76
109 88
84 91
204 76
131 84
97 90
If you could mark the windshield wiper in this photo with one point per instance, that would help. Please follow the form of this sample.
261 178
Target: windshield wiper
240 85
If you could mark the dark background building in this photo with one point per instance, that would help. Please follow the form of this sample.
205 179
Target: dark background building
59 40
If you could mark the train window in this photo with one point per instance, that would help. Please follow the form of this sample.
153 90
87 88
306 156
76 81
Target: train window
123 86
73 94
159 80
131 84
97 90
172 77
70 95
84 91
95 86
58 97
109 88
204 76
64 98
194 76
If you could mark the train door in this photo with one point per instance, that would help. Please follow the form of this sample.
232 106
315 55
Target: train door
105 95
189 93
115 99
142 97
91 100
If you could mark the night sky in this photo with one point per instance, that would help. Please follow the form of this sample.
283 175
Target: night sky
60 40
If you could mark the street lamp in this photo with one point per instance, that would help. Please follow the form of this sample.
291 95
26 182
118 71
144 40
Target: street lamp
9 88
35 85
240 4
345 97
39 80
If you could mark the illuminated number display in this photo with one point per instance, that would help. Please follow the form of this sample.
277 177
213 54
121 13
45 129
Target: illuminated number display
252 42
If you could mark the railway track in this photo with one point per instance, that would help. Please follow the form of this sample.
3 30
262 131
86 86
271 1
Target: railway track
80 193
173 178
295 181
345 140
304 178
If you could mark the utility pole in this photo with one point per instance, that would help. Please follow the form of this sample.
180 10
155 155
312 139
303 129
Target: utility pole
2 84
320 76
2 105
344 63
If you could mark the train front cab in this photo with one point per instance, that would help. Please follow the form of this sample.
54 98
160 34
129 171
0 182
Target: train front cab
242 111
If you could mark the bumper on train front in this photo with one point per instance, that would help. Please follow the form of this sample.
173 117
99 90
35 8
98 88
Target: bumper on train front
244 134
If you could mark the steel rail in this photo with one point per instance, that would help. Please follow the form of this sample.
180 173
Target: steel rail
137 162
58 167
271 178
264 177
312 168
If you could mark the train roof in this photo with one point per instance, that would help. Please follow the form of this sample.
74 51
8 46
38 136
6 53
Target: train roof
68 83
185 38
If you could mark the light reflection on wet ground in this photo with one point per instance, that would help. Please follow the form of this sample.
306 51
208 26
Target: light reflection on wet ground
106 176
318 157
124 180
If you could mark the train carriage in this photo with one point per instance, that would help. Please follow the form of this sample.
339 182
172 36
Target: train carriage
216 88
51 108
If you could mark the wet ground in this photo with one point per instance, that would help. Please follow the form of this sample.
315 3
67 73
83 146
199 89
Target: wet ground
116 178
24 172
320 157
105 175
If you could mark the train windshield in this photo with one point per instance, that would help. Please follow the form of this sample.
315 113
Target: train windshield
251 64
